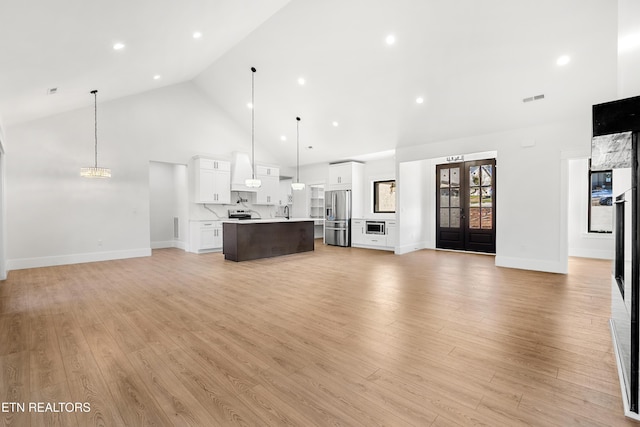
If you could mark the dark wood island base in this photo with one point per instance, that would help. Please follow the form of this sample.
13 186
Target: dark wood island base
247 240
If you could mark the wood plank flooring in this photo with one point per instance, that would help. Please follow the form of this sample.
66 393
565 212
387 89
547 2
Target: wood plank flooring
339 336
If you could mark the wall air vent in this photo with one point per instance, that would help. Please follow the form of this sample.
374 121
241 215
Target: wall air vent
533 98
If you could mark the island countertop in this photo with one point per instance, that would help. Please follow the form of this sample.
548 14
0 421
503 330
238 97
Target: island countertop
263 220
248 239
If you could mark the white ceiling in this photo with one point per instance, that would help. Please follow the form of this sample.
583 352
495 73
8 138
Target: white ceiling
68 44
472 61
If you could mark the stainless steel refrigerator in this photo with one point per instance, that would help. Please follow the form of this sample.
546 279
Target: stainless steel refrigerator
337 221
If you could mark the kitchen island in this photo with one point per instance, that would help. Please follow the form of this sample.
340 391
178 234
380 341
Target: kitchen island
244 240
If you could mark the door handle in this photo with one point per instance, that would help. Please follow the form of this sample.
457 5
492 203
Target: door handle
462 213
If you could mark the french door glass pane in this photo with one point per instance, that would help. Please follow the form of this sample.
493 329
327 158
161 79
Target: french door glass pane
455 177
487 172
474 197
474 217
487 218
455 197
444 217
486 196
474 175
444 177
444 198
455 218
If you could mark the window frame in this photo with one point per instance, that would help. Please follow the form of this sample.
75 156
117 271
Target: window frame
589 200
376 183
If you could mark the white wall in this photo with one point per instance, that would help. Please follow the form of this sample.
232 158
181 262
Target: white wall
414 206
3 208
581 242
530 183
56 217
628 48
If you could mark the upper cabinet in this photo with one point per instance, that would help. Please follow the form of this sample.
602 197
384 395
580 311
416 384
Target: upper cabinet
349 176
268 192
212 181
343 176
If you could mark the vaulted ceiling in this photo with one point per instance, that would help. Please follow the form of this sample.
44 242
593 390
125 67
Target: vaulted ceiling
472 62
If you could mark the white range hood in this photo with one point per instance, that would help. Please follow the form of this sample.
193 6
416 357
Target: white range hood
240 171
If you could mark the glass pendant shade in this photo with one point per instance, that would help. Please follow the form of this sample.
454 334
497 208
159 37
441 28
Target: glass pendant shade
297 186
95 171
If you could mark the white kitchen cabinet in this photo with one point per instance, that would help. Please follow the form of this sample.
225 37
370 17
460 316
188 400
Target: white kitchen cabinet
341 174
206 236
378 241
212 181
349 176
392 233
360 238
346 175
357 232
267 193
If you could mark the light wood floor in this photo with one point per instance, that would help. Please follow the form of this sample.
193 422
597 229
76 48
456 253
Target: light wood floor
340 336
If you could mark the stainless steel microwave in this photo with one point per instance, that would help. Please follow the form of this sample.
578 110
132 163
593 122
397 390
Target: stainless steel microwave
374 227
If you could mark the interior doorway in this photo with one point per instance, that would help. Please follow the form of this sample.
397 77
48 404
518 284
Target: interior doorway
168 205
465 206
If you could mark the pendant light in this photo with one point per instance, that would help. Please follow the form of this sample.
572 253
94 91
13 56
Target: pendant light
297 186
95 171
253 182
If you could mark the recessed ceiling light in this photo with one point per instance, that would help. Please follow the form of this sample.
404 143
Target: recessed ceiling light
283 138
391 39
118 46
334 123
419 100
249 105
157 77
563 60
301 81
197 35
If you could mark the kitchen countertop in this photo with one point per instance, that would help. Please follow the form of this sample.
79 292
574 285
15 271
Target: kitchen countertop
265 220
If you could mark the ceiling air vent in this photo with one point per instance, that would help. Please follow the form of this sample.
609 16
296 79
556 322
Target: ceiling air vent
52 91
533 98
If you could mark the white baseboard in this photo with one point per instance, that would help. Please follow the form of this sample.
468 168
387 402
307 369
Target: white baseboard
532 264
591 253
378 248
22 263
401 250
169 244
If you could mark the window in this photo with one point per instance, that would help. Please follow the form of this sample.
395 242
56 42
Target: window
384 196
600 201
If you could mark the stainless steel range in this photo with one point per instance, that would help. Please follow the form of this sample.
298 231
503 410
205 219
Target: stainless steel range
239 214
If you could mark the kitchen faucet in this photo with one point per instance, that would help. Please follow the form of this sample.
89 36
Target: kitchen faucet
286 211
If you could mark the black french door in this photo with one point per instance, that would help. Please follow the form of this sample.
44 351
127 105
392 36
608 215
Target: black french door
466 206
